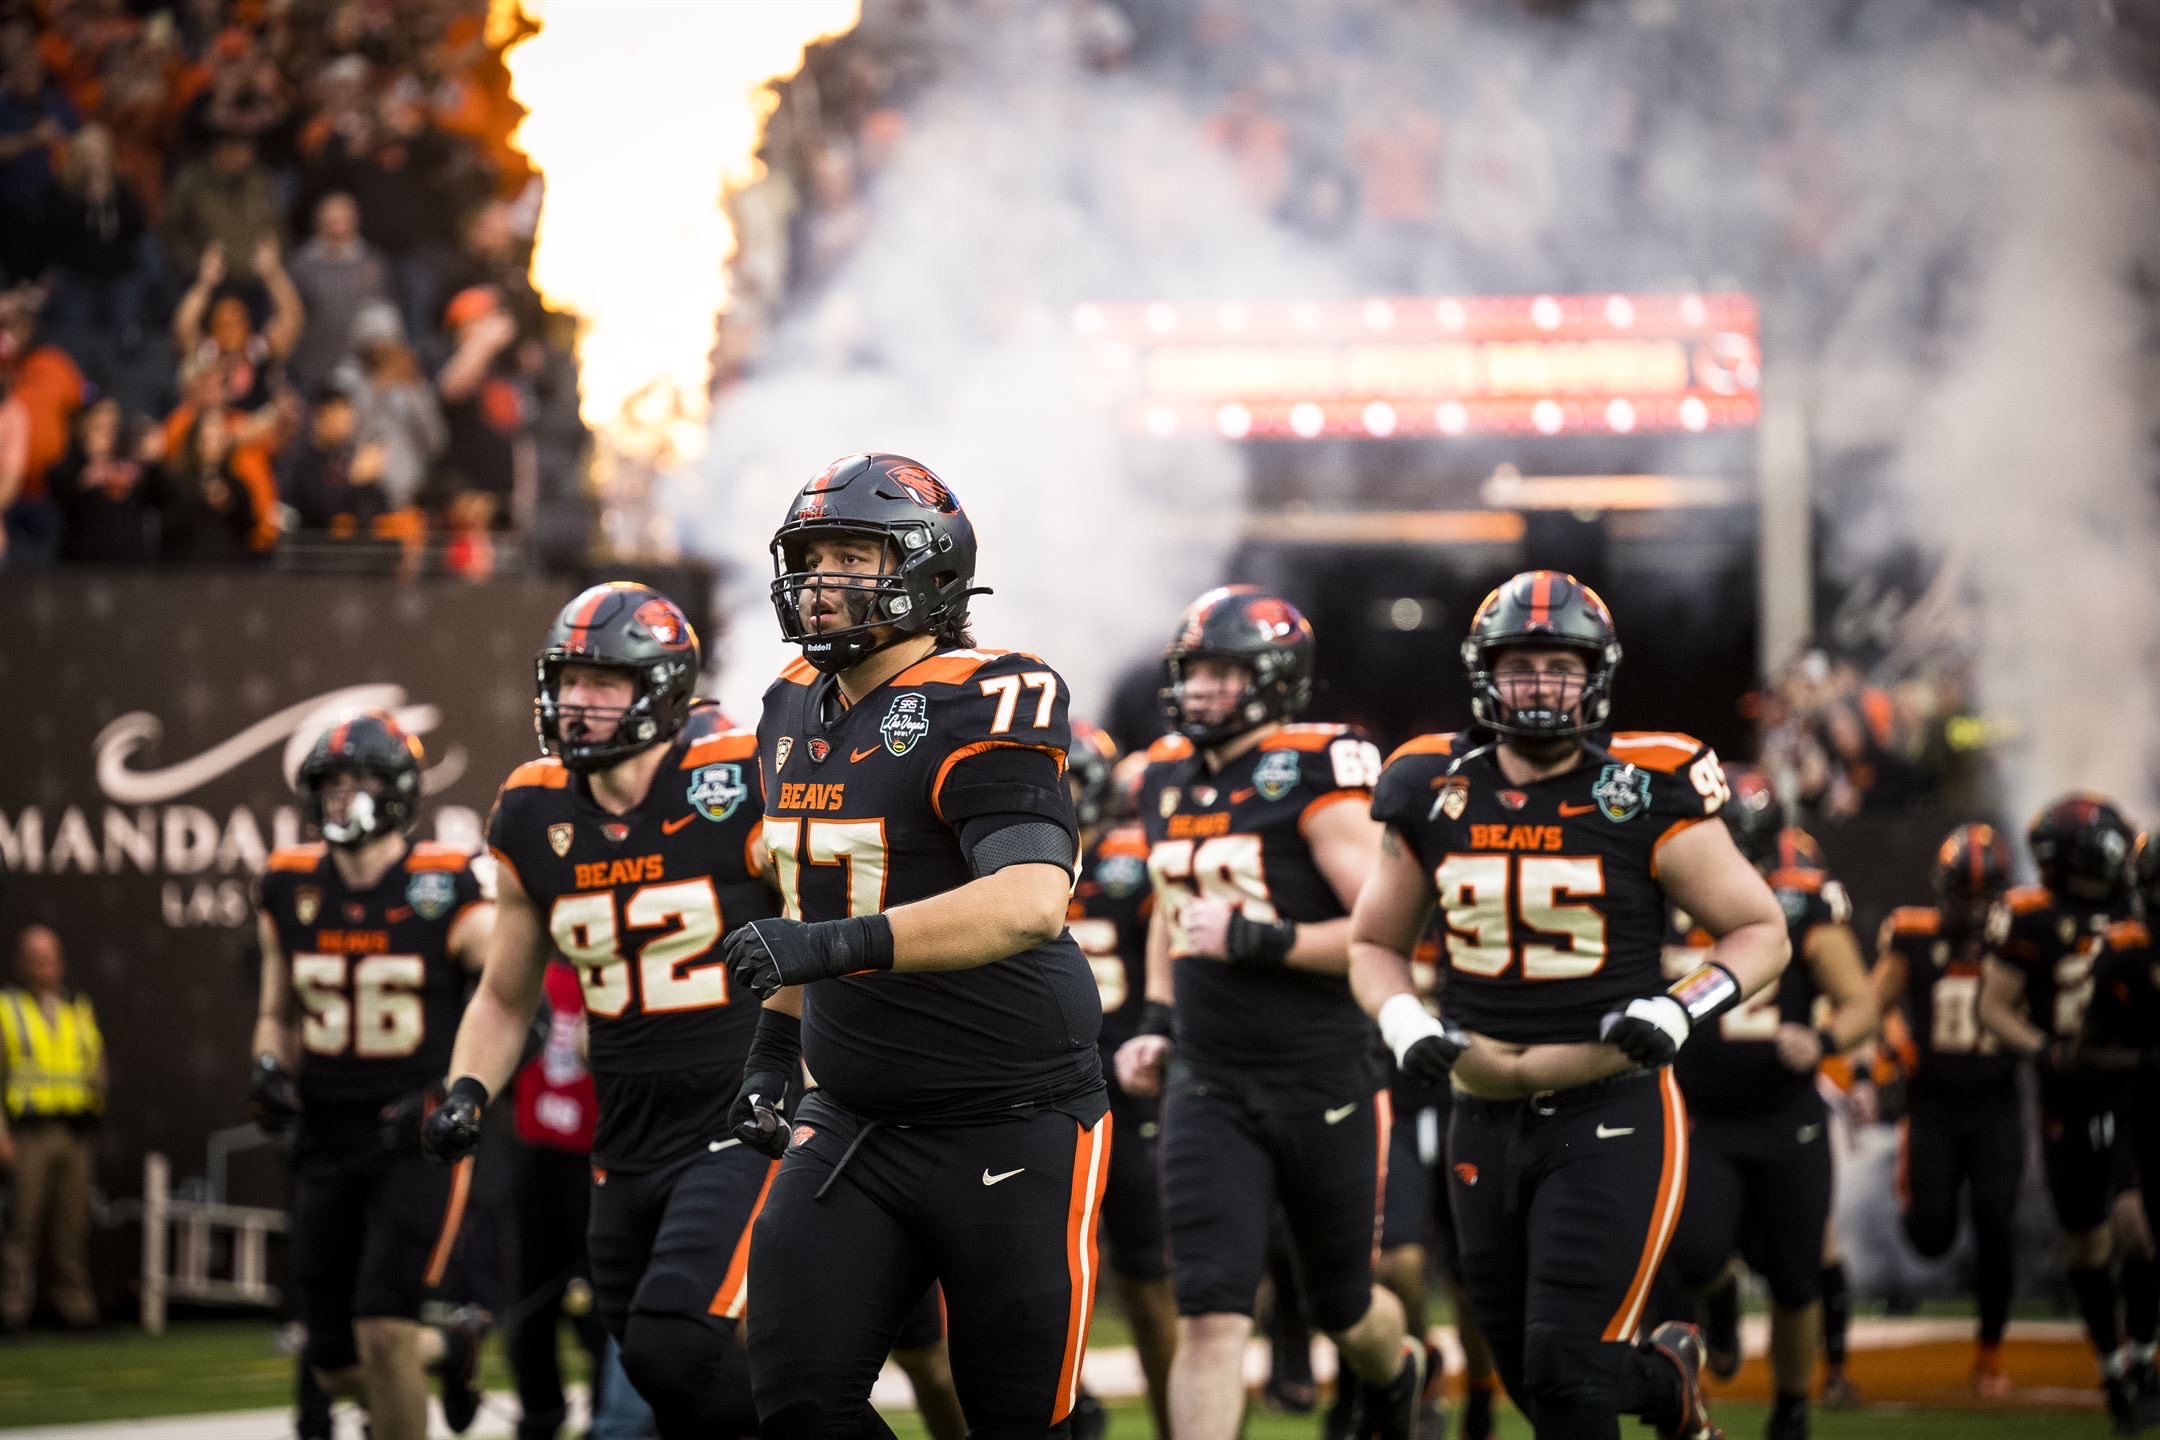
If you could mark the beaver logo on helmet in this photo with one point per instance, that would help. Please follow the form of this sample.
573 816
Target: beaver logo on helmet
1246 626
624 627
924 488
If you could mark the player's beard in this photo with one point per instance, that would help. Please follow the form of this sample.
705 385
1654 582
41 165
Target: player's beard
851 605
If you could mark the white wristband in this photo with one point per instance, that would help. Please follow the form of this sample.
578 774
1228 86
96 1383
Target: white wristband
1668 1014
1404 1021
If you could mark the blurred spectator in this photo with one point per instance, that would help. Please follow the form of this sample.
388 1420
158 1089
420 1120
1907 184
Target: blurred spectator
34 120
95 231
245 99
249 363
50 388
336 273
393 163
108 491
394 411
481 398
335 484
52 1064
227 199
493 254
216 500
14 455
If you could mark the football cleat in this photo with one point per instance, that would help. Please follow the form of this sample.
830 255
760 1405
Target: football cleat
1682 1344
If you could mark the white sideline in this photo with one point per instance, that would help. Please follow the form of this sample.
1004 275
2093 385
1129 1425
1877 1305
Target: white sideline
1113 1373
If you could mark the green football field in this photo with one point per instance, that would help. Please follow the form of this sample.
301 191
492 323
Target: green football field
235 1365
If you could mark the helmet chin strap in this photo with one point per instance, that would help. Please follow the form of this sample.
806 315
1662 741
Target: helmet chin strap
359 822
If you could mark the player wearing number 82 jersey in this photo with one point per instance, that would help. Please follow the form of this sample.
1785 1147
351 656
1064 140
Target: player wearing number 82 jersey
1551 848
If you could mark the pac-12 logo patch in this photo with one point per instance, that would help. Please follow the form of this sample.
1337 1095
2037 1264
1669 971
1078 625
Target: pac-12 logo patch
1277 773
715 790
431 893
782 750
906 721
559 838
306 904
1453 799
1622 792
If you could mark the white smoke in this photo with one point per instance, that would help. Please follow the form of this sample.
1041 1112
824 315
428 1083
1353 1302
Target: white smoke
1026 183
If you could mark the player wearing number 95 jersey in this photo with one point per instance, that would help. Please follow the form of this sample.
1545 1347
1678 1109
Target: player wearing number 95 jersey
925 848
366 941
630 849
1552 847
1274 1090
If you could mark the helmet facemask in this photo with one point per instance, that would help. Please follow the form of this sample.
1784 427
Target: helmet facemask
369 815
1570 705
638 725
876 609
1273 691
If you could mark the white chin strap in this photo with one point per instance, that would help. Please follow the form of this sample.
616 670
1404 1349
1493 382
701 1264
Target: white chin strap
359 821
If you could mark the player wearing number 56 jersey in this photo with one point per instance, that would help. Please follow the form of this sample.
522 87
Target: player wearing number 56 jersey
630 849
366 941
1551 848
2035 985
1962 1128
1275 1092
925 847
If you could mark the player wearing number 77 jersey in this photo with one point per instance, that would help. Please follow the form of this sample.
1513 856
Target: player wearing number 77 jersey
1274 1088
631 849
1552 848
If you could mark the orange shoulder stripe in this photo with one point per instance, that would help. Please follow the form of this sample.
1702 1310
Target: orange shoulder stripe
1424 745
1315 737
301 858
428 855
1794 877
2128 935
1169 747
1664 752
727 745
1125 840
798 672
1915 920
2027 898
547 773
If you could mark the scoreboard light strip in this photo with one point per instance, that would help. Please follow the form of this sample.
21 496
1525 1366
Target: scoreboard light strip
1419 317
1359 418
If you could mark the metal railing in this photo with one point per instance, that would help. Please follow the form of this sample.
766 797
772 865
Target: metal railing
181 1238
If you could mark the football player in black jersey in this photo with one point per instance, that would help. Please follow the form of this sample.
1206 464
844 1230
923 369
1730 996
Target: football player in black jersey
631 849
2035 985
1277 1093
367 939
1962 1128
925 849
1552 848
1759 1164
2121 1034
1108 919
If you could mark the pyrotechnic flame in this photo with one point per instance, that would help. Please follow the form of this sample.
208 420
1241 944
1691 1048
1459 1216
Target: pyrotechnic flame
643 115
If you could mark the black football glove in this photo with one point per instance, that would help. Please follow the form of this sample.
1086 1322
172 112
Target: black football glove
273 1095
452 1130
1650 1031
401 1120
1425 1048
758 1117
765 956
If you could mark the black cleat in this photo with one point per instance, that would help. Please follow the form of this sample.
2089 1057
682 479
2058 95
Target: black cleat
1682 1345
1838 1391
1090 1421
1477 1413
1721 1329
2124 1417
1290 1385
1390 1411
1787 1423
460 1370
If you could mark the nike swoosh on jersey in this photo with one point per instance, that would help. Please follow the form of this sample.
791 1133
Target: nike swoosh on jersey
990 1179
669 827
1566 809
1239 797
1607 1132
856 756
1808 1134
1337 1115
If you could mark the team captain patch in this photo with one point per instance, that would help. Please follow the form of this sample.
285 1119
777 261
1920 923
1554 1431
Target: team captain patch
1622 792
432 893
715 790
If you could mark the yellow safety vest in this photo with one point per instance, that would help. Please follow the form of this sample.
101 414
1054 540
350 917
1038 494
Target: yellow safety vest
51 1068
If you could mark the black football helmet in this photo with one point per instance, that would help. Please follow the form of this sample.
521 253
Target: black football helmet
2145 877
1091 774
619 625
929 557
1542 607
370 743
1754 814
1250 627
2081 845
1972 870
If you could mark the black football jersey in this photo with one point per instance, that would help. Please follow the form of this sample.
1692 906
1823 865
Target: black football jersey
1108 920
1953 1054
1547 894
380 994
638 904
2125 1009
867 808
1731 1067
1238 834
2053 944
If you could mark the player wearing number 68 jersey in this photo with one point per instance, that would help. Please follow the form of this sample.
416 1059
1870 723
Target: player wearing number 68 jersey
1274 1089
630 848
1962 1128
1551 848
